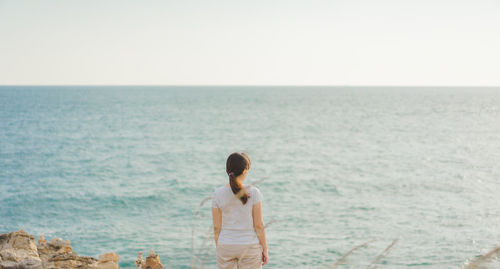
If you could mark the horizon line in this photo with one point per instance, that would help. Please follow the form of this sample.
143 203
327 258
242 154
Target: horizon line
244 85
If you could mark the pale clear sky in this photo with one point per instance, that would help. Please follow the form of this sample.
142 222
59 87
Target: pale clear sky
253 42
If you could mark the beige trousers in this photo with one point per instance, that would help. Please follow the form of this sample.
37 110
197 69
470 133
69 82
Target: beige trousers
239 256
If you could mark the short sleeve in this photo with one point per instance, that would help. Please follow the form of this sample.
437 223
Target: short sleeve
215 203
257 195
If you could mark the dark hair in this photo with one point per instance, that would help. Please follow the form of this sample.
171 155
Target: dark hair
236 163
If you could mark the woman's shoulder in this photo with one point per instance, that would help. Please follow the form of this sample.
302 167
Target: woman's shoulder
221 189
255 192
252 188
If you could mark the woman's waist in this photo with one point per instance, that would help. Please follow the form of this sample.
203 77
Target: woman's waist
229 228
238 236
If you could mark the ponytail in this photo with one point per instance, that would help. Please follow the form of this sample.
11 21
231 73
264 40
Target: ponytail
235 164
238 188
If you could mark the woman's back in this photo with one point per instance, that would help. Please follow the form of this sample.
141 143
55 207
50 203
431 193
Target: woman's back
239 230
237 220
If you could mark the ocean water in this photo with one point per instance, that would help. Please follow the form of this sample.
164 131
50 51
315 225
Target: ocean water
125 169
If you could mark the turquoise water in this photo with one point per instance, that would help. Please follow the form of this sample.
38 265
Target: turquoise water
125 169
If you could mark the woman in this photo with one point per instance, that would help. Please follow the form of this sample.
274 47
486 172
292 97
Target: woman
240 238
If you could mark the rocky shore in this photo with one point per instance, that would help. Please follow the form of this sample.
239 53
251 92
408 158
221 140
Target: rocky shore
19 250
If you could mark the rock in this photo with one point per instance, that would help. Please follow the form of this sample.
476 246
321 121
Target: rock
152 261
60 245
140 261
70 260
18 250
9 254
8 264
108 260
107 265
58 253
54 247
41 239
110 256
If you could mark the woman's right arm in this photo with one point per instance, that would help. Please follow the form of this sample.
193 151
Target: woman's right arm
258 224
217 221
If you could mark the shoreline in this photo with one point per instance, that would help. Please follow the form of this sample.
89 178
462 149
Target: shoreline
19 249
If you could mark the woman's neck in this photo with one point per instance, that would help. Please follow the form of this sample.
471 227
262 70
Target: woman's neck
237 180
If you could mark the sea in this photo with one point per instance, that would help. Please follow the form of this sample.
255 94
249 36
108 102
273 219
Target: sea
386 177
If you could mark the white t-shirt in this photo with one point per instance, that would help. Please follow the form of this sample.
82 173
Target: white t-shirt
237 220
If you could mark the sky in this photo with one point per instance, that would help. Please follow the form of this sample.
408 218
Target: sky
253 42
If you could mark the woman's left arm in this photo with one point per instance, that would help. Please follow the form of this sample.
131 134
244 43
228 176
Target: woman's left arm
217 220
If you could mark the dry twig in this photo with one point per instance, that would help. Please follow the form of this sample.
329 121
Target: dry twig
343 258
475 264
383 254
